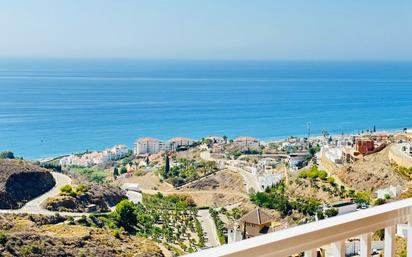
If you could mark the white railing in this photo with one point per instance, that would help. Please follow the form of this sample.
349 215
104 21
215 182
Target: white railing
333 231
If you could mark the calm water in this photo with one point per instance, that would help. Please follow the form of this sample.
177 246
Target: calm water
49 108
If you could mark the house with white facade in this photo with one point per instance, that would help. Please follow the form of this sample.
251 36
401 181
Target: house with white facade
149 145
95 158
296 160
343 207
250 142
391 191
332 153
176 142
216 139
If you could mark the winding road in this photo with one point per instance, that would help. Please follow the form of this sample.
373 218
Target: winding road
34 206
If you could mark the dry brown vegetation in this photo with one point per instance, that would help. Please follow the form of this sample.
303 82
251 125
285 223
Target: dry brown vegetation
29 235
370 173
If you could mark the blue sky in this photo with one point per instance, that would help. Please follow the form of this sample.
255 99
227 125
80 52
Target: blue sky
213 29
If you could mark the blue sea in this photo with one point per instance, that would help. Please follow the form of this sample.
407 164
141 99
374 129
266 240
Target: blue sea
54 107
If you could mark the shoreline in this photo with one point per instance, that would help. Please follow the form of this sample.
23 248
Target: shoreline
262 140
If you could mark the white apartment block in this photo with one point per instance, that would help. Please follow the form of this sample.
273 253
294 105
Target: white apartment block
148 145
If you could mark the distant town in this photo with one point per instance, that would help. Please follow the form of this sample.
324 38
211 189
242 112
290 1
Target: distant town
230 188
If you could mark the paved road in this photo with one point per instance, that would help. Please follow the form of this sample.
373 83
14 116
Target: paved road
209 228
34 206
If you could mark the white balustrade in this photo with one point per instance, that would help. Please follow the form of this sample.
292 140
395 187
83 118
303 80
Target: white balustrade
332 231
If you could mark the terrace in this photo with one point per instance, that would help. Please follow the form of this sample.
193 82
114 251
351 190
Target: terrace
332 232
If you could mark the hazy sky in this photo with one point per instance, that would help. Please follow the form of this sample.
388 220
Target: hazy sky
213 29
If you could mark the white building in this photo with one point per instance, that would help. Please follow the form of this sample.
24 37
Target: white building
176 142
391 191
148 145
247 142
267 179
234 233
342 207
95 158
333 154
216 139
295 160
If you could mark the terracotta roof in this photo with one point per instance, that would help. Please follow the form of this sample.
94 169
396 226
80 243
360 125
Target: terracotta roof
246 139
178 139
257 216
147 139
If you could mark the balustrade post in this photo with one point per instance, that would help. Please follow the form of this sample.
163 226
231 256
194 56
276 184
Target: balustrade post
311 253
338 249
389 249
409 239
365 245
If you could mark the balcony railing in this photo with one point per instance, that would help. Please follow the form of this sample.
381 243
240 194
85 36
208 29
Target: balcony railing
333 231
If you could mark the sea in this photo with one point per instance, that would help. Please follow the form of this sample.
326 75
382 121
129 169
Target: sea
52 107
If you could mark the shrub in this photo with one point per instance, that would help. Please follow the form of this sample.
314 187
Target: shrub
66 189
331 212
81 188
379 201
3 238
29 250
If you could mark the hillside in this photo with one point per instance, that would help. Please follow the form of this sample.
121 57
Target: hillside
371 173
36 235
21 181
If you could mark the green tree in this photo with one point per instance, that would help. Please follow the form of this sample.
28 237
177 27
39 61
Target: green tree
123 170
167 167
125 215
115 172
6 155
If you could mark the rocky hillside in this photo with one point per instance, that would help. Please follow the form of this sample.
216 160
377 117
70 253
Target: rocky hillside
77 199
36 235
371 173
21 181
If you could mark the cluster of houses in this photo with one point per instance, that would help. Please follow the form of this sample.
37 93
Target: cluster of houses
265 175
348 149
150 145
95 158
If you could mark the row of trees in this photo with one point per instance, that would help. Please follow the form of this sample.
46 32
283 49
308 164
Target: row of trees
170 219
185 170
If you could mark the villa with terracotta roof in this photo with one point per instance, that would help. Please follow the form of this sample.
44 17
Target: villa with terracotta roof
247 142
255 223
176 142
148 145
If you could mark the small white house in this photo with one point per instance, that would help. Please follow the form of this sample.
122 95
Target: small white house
250 142
216 139
177 142
342 207
131 187
391 191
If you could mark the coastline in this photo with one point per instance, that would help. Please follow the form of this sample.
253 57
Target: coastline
262 140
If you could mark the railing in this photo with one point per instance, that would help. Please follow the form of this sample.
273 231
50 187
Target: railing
333 231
